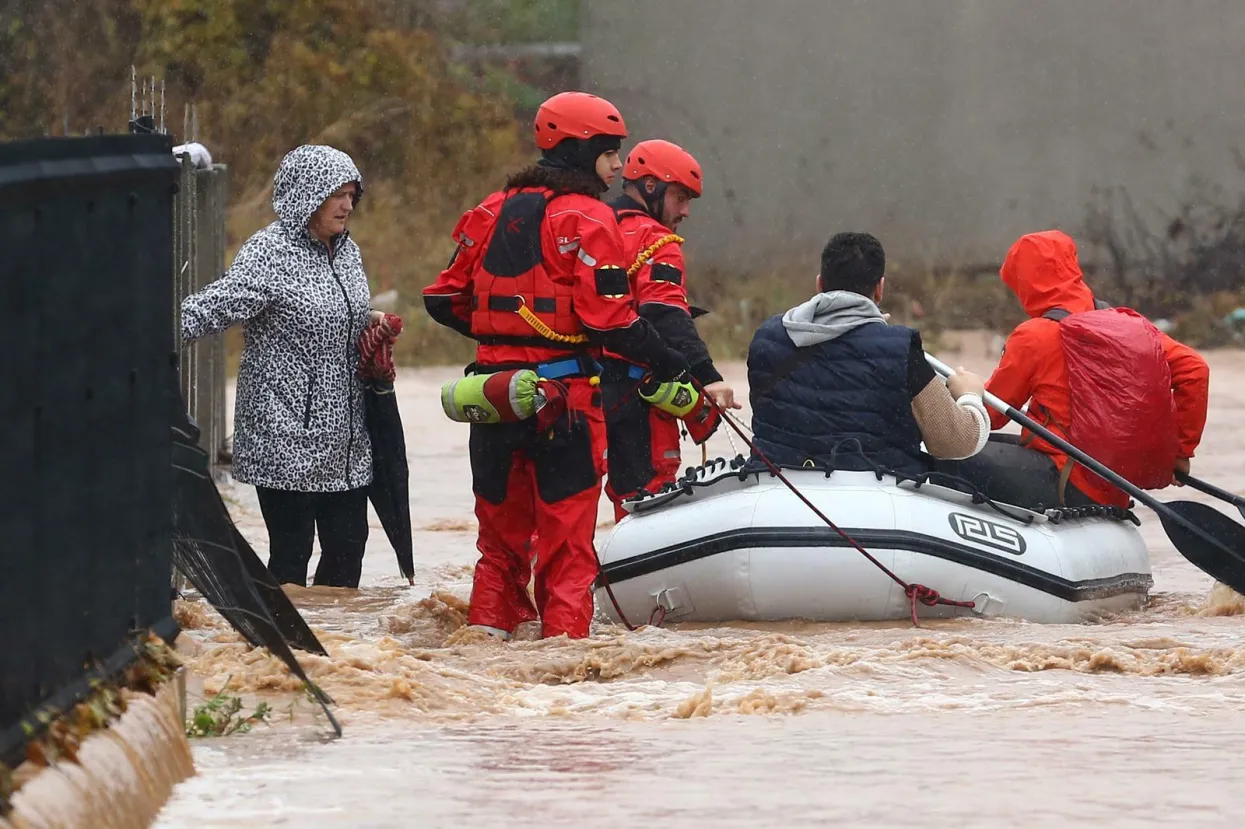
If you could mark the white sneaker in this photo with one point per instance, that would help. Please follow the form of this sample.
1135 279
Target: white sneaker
496 633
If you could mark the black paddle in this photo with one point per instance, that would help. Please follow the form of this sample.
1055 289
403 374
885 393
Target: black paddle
1212 541
1214 491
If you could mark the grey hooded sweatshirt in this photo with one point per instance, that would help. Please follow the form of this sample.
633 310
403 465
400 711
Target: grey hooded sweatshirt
829 316
298 419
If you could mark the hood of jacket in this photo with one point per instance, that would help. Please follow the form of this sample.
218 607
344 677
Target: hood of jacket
829 316
1043 272
307 176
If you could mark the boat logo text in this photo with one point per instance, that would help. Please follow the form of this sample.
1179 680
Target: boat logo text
988 533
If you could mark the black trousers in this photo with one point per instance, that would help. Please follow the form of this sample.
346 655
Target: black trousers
293 518
1013 474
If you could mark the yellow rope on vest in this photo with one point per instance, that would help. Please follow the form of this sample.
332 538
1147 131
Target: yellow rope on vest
648 252
547 332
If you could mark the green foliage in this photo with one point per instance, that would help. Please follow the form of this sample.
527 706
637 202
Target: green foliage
373 79
509 21
266 75
222 716
270 75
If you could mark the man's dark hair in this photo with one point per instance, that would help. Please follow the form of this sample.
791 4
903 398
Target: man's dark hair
852 262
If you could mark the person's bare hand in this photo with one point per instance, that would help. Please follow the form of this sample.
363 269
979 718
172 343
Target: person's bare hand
1182 468
965 382
723 395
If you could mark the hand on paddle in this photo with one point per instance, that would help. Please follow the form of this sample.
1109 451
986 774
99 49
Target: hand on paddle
1182 469
722 395
1210 540
965 382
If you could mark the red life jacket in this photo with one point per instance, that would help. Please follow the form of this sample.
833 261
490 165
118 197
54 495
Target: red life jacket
631 246
1123 411
513 274
642 237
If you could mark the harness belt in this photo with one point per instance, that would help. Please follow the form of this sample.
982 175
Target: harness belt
577 366
573 367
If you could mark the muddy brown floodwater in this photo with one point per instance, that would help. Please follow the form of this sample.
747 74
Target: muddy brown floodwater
1134 720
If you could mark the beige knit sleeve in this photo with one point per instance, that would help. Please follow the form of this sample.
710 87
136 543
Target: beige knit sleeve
952 430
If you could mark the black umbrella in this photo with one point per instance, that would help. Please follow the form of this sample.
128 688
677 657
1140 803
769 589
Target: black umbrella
389 491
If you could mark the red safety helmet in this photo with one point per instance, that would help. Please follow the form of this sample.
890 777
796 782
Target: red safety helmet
668 163
576 115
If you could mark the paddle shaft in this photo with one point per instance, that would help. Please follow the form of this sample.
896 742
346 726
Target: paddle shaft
1058 442
1211 489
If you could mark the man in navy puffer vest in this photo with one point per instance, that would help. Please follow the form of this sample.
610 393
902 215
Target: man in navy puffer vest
831 381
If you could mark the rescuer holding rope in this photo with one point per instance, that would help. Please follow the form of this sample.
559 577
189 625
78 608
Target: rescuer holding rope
643 419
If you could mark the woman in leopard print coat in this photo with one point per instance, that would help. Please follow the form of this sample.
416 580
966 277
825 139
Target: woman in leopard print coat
299 291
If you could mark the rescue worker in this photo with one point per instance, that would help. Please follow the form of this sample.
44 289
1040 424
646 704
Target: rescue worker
833 385
1109 382
539 279
660 180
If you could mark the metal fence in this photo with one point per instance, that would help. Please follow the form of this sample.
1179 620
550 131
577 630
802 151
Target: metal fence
199 212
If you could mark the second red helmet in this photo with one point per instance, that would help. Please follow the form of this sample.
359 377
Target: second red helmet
665 161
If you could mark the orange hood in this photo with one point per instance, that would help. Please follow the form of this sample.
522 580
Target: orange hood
1042 271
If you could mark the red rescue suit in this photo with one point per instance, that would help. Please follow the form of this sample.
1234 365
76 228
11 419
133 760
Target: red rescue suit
644 440
535 274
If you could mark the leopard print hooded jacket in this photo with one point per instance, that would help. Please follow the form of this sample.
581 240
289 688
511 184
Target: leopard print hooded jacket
298 418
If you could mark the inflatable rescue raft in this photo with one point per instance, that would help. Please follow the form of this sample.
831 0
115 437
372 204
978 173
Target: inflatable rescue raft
726 543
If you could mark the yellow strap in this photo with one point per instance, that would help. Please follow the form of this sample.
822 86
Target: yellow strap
547 332
648 252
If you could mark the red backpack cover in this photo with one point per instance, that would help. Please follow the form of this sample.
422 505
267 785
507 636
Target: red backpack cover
1119 383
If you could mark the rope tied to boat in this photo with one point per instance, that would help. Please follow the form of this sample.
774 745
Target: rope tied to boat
927 596
915 592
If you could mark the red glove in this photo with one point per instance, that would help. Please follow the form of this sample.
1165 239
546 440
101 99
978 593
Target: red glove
376 348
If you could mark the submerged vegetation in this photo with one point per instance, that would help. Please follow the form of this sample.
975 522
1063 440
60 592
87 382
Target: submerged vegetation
222 716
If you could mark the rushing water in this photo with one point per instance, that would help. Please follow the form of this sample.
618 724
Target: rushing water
1129 721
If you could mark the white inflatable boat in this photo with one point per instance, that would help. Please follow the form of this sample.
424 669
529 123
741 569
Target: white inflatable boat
723 544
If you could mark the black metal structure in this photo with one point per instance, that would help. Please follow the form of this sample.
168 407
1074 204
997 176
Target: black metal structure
86 351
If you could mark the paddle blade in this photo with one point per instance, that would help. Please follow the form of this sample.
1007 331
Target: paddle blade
1218 550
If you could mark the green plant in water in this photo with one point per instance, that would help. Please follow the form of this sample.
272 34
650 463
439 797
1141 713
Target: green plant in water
222 716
